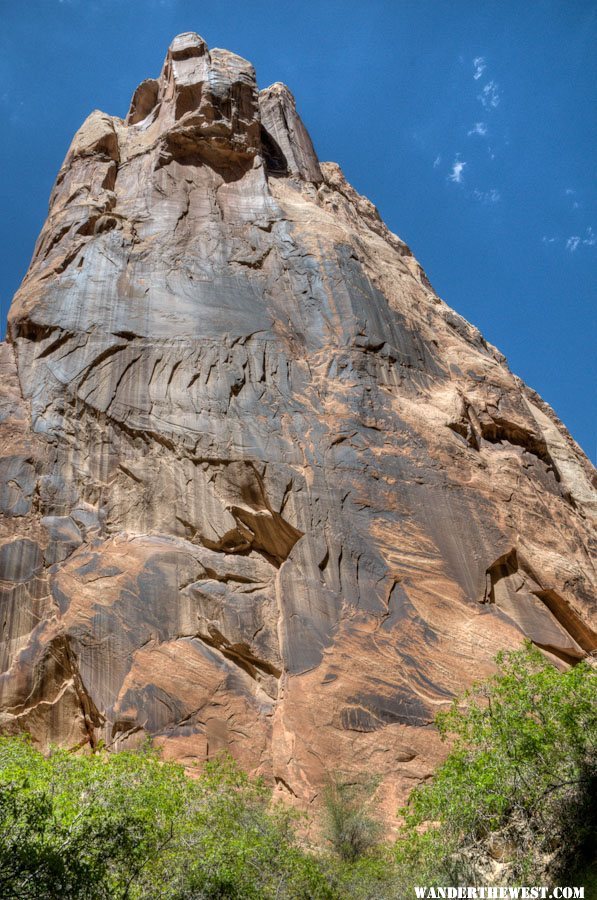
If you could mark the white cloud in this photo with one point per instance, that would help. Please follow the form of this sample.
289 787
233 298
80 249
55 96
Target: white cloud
490 196
457 169
572 243
570 191
479 64
437 161
490 95
575 240
479 128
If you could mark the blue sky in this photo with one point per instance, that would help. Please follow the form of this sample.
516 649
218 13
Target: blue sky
470 124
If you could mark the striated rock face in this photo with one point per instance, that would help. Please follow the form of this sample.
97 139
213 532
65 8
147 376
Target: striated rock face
261 488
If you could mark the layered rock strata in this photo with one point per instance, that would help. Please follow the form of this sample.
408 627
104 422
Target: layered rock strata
261 488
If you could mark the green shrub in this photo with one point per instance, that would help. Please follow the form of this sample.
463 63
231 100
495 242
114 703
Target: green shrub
349 826
82 826
128 825
517 785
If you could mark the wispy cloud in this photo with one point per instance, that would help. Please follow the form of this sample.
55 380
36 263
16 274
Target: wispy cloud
589 239
479 128
490 95
457 170
490 196
480 66
572 243
437 161
575 240
571 194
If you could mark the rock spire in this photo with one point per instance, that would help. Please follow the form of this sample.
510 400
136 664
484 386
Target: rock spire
261 489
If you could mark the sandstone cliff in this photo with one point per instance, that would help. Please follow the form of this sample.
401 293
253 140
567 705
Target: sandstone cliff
261 488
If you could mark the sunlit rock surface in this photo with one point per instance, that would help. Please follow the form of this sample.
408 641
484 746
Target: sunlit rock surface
261 488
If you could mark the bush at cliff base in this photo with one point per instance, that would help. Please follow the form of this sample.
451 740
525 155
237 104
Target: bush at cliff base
128 825
515 799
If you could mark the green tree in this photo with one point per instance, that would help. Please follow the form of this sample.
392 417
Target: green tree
233 844
127 825
82 826
517 786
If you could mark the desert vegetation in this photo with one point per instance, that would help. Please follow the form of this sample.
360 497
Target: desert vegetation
513 803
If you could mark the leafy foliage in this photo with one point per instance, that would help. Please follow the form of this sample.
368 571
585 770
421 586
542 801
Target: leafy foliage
128 825
350 828
81 826
516 787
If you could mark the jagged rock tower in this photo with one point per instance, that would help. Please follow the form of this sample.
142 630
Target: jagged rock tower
262 489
